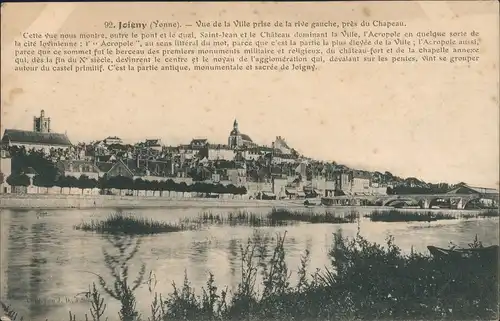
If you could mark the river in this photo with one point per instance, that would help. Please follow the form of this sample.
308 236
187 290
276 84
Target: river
45 263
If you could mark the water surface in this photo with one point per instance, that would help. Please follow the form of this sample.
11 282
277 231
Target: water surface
46 264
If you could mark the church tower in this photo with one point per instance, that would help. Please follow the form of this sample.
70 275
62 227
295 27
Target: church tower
41 124
235 139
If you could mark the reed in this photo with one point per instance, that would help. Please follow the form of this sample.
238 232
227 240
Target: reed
489 213
277 217
407 216
234 219
312 217
129 224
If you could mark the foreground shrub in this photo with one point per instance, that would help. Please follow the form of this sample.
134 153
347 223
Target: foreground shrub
384 283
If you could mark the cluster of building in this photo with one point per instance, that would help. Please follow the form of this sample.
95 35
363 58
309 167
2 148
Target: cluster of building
275 171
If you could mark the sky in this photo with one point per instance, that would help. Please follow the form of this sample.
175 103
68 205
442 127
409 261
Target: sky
438 123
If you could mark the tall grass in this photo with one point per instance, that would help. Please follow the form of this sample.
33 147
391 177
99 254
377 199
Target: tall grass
276 217
129 224
312 217
407 216
234 219
365 281
489 213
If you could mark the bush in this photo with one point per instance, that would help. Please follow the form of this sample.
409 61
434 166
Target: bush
384 283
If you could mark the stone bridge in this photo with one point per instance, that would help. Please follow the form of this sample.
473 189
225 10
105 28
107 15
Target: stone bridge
458 201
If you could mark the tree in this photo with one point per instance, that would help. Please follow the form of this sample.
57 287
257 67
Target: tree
18 179
85 182
92 183
154 185
72 181
162 186
182 187
44 180
170 185
140 184
242 190
67 181
120 182
62 182
231 189
102 182
216 188
388 177
22 159
196 187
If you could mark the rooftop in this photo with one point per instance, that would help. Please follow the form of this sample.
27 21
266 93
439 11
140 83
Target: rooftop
78 166
30 137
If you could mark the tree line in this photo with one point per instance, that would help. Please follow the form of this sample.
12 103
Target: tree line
123 183
405 190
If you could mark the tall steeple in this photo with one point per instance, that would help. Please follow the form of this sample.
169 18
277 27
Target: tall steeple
235 138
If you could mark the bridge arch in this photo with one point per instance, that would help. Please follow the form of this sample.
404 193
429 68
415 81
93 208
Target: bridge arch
468 200
431 201
400 198
427 201
422 201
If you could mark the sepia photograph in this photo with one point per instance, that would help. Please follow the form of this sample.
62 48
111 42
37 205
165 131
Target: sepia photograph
249 161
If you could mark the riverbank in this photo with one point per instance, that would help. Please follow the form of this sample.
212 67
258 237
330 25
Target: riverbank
31 201
75 201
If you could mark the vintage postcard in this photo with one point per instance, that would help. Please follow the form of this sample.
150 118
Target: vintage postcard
249 161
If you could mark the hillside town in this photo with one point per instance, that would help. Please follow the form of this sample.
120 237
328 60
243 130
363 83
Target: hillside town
41 161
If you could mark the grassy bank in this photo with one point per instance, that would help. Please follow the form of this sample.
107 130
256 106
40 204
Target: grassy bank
365 281
128 224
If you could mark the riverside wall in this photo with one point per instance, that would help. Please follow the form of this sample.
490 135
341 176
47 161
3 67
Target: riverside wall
30 201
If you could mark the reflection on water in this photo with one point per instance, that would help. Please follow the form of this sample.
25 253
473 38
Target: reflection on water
46 264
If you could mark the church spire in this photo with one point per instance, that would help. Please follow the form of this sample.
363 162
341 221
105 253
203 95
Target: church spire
235 124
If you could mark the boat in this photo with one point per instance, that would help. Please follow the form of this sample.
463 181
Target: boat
327 201
484 253
310 203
